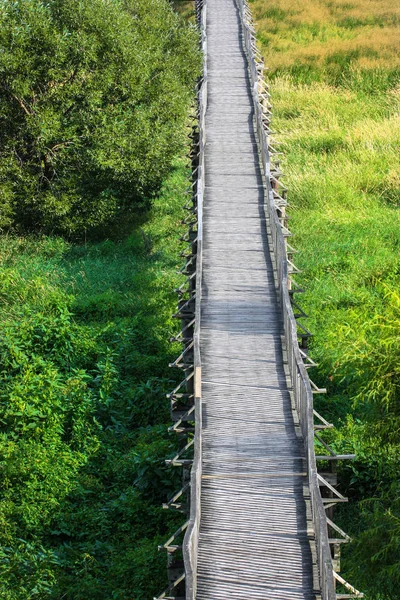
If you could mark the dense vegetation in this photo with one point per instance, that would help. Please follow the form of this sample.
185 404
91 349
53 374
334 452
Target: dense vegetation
335 83
94 96
186 8
84 359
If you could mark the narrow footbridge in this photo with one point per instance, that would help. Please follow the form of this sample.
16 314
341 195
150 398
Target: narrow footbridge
260 515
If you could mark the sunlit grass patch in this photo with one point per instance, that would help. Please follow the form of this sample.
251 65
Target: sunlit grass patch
337 144
320 36
334 76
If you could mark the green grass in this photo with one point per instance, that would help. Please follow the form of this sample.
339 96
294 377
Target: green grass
334 75
97 317
186 8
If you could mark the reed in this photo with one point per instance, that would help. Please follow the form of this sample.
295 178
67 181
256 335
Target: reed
334 73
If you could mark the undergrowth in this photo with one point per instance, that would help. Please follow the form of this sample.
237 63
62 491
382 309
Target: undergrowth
84 356
186 8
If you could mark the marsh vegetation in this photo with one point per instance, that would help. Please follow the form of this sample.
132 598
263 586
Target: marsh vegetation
334 73
94 99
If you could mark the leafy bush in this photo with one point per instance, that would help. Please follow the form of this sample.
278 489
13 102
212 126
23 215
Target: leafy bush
48 432
93 96
82 407
378 544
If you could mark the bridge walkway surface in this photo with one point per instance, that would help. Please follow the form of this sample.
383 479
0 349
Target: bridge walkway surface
256 534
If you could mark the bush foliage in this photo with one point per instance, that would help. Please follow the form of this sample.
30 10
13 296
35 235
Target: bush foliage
83 414
93 95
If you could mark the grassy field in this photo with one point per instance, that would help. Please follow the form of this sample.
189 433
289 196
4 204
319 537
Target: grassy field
84 333
334 73
185 8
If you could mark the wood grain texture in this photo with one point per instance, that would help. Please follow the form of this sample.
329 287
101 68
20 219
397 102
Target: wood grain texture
256 534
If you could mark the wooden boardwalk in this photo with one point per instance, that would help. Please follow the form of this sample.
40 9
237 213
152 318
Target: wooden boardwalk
256 536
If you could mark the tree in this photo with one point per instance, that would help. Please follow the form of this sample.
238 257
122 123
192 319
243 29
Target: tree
93 97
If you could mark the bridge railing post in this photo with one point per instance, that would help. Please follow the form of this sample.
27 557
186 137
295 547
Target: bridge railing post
190 542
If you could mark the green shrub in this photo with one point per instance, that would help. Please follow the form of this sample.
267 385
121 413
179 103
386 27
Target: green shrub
93 97
83 381
48 432
378 544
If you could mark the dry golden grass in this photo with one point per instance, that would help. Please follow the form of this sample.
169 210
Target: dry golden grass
293 32
376 48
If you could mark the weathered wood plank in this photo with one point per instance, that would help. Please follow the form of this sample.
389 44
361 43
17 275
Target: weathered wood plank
256 535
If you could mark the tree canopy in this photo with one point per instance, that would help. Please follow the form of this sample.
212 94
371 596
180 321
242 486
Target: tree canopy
93 95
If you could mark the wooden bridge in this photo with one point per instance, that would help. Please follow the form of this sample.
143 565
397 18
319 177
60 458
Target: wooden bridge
260 523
